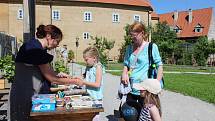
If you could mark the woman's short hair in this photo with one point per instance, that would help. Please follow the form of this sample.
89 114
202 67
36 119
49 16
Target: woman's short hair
54 31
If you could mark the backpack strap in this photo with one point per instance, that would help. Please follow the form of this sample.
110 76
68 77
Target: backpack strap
151 61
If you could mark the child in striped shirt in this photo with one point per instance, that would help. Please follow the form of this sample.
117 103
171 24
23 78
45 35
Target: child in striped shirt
149 90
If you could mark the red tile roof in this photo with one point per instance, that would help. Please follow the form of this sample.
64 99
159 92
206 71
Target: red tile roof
200 16
141 3
154 16
144 3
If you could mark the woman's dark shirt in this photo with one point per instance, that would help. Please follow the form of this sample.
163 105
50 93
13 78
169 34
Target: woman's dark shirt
32 52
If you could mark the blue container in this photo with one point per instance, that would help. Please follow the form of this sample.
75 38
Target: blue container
43 102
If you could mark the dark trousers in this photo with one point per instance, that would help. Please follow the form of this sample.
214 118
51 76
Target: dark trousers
136 98
134 101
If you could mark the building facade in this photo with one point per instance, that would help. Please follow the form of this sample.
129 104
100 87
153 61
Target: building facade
79 20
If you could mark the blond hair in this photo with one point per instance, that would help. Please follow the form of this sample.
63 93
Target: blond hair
91 52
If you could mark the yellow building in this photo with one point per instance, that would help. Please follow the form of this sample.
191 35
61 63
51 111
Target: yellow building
79 19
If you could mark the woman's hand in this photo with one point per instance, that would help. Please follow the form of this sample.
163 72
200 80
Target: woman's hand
125 78
63 75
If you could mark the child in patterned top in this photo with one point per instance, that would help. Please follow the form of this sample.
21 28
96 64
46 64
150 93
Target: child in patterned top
149 90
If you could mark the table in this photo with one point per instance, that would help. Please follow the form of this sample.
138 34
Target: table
61 114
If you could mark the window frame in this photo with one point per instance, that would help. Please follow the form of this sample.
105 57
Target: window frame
136 15
20 17
86 35
53 15
177 30
198 28
114 20
88 18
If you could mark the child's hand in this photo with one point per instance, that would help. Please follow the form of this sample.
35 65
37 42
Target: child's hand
79 81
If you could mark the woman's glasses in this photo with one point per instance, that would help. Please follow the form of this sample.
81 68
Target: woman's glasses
134 34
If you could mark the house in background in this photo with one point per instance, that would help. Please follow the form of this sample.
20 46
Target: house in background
80 19
154 19
192 24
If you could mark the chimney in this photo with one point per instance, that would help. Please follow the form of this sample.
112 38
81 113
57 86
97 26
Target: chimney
190 16
175 15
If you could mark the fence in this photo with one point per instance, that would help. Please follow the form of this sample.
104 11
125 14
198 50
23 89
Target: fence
8 45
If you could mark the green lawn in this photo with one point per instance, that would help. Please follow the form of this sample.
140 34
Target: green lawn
196 85
179 68
188 68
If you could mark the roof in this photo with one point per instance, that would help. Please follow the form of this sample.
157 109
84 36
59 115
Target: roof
202 17
154 16
138 3
141 3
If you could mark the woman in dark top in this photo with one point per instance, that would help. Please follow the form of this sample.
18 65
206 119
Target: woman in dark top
33 71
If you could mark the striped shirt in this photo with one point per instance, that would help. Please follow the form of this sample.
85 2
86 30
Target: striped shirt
145 114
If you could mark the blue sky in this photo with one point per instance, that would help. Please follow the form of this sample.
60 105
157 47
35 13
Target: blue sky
165 6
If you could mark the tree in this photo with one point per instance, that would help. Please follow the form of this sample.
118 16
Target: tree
127 38
166 39
212 50
201 51
103 46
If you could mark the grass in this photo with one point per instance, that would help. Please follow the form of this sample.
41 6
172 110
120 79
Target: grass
196 85
169 68
188 68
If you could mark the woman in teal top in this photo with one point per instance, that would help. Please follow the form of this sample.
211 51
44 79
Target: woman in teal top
136 61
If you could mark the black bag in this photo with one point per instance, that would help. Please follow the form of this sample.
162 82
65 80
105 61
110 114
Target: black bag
152 72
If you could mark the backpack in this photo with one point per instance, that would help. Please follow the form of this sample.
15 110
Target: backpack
152 72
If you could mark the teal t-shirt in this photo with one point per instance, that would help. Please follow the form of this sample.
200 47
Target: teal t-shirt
140 64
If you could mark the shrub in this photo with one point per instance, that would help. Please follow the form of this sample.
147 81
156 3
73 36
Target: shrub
71 55
104 46
59 67
7 65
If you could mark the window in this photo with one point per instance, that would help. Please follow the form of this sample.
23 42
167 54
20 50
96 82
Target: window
115 17
87 16
198 28
137 18
20 14
177 29
55 14
86 35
